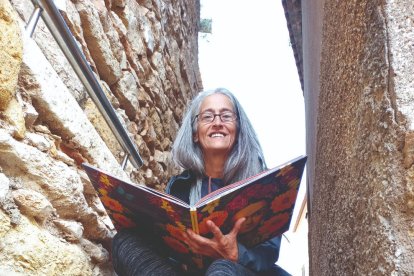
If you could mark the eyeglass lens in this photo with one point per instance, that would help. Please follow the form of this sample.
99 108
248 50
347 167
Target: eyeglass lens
208 117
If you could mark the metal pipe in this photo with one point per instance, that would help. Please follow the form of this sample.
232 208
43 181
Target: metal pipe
124 161
60 31
34 18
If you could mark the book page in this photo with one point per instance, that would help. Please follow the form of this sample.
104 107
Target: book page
139 207
266 201
231 187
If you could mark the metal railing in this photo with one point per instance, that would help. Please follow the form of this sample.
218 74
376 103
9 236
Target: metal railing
63 36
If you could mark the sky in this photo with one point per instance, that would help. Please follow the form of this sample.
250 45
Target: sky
249 53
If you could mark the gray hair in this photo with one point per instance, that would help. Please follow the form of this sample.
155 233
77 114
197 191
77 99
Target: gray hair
245 159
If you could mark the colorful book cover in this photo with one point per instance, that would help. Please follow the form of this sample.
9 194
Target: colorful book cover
266 201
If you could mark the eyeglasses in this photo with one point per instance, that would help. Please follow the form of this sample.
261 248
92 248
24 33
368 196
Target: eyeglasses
208 117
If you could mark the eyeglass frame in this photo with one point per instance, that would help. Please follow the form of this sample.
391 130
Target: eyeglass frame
215 115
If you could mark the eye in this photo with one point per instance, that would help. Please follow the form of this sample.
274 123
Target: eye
206 116
227 116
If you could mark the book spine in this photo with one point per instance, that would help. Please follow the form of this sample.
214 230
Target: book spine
194 220
197 259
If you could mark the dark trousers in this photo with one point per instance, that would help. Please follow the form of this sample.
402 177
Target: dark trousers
132 255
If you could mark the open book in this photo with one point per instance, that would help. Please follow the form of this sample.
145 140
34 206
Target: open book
266 200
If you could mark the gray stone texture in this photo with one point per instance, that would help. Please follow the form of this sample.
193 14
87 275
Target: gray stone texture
144 54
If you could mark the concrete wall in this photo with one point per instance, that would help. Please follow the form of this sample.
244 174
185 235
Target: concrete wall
144 54
360 137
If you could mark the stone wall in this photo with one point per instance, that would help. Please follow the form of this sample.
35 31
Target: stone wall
144 54
363 187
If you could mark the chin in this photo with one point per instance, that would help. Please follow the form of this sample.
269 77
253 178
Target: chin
218 149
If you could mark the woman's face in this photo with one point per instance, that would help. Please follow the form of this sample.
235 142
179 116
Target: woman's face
216 137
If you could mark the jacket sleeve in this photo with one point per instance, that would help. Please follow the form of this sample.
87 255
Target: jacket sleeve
261 257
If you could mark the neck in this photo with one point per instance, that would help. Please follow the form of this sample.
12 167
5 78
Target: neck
214 166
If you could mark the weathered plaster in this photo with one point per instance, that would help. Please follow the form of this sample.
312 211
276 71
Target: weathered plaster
360 217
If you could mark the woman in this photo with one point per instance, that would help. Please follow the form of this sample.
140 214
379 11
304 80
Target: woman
216 145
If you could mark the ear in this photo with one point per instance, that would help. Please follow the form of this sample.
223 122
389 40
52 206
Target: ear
195 138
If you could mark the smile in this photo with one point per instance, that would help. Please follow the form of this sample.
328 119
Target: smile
214 135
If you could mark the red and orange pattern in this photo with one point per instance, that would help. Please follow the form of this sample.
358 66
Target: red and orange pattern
112 204
129 206
288 173
176 245
274 225
211 206
284 201
176 232
237 203
217 217
123 221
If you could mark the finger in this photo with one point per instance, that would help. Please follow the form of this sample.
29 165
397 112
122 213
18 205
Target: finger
215 230
196 238
191 237
192 244
185 237
198 244
190 231
237 226
182 234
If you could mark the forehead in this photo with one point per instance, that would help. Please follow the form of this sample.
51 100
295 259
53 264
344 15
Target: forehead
216 102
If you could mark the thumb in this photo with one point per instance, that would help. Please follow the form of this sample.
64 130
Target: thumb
237 226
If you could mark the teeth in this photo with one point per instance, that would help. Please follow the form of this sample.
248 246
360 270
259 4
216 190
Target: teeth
217 135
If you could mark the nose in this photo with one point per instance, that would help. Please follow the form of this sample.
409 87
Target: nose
217 119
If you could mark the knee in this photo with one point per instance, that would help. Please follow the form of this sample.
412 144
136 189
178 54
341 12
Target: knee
122 239
127 245
118 242
222 267
123 245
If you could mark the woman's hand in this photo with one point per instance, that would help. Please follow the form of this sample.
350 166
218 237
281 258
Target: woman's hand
220 246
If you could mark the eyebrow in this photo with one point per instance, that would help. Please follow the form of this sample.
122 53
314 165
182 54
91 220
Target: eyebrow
220 110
